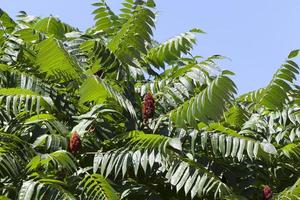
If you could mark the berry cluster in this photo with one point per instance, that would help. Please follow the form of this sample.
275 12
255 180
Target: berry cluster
74 143
148 108
267 193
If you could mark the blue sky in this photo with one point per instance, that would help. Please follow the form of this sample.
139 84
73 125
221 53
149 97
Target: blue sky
256 35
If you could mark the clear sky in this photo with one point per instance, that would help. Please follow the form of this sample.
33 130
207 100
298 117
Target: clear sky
256 35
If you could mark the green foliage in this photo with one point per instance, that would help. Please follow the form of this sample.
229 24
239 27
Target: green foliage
56 160
105 19
172 49
130 40
44 189
62 88
209 104
276 93
18 100
95 186
98 94
7 24
99 54
291 193
51 26
53 60
196 180
14 154
51 142
140 150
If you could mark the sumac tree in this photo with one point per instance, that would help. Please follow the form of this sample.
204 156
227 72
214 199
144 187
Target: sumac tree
109 113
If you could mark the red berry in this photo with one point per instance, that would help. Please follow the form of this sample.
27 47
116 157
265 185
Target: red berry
74 143
267 193
148 108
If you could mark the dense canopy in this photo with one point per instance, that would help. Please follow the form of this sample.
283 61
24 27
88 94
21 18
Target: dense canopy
110 113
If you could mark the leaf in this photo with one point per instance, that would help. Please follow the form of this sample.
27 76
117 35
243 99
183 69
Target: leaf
7 22
292 151
133 147
39 118
51 26
14 154
54 60
120 98
172 49
51 142
275 94
268 147
92 91
105 19
95 186
292 192
293 54
98 52
178 175
176 144
44 188
208 104
56 160
129 42
24 100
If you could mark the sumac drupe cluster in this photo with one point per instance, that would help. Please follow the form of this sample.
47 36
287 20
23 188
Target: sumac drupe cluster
74 143
148 108
267 193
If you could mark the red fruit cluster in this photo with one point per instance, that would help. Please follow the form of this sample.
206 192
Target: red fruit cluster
267 193
148 108
74 143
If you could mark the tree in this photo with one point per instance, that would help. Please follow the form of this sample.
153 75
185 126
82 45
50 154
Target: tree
110 113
